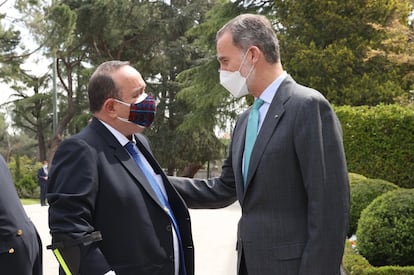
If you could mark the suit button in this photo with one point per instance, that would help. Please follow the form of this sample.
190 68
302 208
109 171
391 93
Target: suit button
11 250
168 227
172 258
19 232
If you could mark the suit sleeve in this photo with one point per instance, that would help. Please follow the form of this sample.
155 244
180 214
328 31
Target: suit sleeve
208 193
72 190
320 152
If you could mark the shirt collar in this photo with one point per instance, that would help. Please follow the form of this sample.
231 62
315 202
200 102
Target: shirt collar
120 137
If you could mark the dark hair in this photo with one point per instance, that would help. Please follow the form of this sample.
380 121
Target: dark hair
101 85
253 30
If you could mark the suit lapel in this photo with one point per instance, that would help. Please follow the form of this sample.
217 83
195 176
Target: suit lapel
143 146
124 158
147 154
238 140
131 166
270 123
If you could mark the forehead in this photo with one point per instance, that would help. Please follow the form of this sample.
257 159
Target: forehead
225 47
128 79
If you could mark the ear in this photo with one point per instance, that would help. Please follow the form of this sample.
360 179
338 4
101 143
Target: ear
109 107
256 53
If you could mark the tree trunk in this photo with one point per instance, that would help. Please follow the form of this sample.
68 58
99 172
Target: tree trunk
191 169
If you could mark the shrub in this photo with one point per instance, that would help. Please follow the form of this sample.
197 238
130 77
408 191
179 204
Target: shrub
379 142
356 264
354 177
390 270
352 262
24 173
385 230
27 187
363 192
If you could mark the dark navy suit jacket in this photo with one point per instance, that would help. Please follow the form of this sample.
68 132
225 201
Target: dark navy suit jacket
94 185
20 244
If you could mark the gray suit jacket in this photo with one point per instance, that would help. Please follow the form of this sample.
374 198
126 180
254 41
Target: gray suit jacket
296 203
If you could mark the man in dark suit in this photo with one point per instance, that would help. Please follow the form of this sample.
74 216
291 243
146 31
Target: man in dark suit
20 244
105 216
42 180
294 191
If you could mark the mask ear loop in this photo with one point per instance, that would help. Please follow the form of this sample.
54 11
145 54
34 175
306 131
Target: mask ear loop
120 101
243 59
121 118
242 63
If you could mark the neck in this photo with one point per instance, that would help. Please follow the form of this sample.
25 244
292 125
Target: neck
264 75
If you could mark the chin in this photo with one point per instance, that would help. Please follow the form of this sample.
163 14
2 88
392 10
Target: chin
138 129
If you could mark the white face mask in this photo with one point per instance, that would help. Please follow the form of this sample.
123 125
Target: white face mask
234 82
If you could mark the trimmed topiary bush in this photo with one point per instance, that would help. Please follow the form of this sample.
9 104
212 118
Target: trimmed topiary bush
363 192
379 141
356 264
354 177
352 262
386 229
390 270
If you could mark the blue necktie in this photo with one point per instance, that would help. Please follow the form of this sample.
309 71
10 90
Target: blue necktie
133 151
251 134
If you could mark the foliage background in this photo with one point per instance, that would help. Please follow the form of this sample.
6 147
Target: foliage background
379 141
356 53
385 235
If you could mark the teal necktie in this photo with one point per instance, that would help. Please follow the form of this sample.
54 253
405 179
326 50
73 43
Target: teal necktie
251 134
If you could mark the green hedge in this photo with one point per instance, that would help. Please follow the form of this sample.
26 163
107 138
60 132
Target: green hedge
354 177
352 262
379 142
355 264
386 229
363 192
24 174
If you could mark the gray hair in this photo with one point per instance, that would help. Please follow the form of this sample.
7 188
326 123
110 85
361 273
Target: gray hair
253 30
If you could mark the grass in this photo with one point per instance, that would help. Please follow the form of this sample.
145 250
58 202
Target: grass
29 201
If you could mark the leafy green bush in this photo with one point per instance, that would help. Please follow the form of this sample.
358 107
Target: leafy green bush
379 141
27 187
352 262
390 270
356 264
354 177
363 192
24 174
385 229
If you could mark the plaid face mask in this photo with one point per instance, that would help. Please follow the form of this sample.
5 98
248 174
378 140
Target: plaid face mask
143 111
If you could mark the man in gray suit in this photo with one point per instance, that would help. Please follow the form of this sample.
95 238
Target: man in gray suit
294 191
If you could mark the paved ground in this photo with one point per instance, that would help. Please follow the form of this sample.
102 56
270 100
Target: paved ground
214 233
